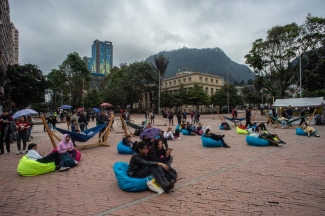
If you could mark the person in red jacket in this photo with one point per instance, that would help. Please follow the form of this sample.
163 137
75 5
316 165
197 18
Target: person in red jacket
23 126
5 120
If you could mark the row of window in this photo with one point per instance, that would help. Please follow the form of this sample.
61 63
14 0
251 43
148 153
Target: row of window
212 90
189 79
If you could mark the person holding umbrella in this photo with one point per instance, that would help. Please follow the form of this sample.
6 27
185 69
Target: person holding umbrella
23 126
5 120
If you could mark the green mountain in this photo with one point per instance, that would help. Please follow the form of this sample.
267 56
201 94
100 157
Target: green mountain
209 60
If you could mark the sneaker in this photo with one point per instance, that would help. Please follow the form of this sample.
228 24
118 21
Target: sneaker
179 138
18 152
28 140
76 162
282 127
280 144
8 150
223 135
23 152
64 168
225 146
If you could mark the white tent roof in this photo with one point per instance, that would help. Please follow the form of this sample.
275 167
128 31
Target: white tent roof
299 102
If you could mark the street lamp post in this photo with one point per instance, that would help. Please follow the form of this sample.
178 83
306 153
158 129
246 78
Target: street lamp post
300 74
228 90
159 94
262 96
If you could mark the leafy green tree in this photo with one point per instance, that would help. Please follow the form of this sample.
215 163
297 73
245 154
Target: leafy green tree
93 99
196 96
236 83
78 76
57 86
272 59
220 97
26 84
166 99
242 83
40 107
180 98
250 82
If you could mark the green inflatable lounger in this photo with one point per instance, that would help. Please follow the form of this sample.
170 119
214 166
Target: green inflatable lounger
27 167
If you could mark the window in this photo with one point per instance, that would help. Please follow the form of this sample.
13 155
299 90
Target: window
189 79
174 82
206 90
217 81
201 79
184 80
211 80
179 81
206 79
170 83
212 91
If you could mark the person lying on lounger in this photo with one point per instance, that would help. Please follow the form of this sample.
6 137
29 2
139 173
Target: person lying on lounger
225 125
270 137
32 154
208 133
139 167
309 130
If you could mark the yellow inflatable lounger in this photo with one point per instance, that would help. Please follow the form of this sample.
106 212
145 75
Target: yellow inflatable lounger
27 167
241 131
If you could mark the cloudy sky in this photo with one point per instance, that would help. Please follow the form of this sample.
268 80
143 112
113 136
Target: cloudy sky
51 29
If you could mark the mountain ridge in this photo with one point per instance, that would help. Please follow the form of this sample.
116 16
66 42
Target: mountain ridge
206 60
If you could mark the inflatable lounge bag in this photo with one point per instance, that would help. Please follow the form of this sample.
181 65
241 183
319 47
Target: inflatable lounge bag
208 142
78 156
178 127
186 132
125 182
123 149
27 167
255 141
301 132
241 131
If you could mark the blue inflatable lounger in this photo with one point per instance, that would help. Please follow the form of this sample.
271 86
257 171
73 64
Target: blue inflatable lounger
301 132
255 141
208 142
186 132
123 149
127 183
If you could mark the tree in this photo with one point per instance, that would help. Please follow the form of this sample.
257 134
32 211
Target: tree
78 76
220 97
272 60
161 64
242 83
180 98
166 99
93 99
236 83
250 82
26 84
196 96
57 86
40 107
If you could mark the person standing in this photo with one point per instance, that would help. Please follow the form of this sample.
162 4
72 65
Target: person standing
165 117
152 119
262 108
74 117
184 115
171 118
302 114
68 120
289 114
192 116
31 123
248 117
5 120
23 126
179 117
102 119
83 123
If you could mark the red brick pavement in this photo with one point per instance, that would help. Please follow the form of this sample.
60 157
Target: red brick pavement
242 180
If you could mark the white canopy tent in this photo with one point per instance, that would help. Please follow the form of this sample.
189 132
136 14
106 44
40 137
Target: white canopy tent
299 102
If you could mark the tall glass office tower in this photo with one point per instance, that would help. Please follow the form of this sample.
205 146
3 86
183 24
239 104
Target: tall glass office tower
102 57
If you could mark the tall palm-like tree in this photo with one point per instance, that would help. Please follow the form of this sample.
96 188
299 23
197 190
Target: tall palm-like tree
161 63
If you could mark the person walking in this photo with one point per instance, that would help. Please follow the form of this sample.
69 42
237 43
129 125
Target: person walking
165 115
248 117
5 120
23 126
68 120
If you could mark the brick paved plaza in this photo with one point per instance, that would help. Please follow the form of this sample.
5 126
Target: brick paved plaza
242 180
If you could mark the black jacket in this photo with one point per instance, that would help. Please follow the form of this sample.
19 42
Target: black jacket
158 156
138 163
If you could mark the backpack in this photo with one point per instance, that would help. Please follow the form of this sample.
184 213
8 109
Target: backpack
68 160
170 174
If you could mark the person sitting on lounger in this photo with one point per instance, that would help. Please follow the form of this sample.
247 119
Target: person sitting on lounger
201 128
159 154
139 167
66 147
309 130
170 135
32 154
241 126
148 141
225 125
191 129
283 120
270 137
208 133
128 142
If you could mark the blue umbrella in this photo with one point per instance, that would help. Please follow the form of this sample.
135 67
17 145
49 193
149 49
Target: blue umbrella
150 133
65 107
24 112
96 110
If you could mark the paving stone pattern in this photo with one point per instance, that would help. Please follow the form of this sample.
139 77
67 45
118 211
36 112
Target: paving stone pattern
242 180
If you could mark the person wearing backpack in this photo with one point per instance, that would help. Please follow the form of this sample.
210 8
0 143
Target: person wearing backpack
65 147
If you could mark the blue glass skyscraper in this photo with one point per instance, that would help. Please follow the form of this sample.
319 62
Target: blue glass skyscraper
102 57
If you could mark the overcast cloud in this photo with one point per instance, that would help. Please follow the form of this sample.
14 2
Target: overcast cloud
51 29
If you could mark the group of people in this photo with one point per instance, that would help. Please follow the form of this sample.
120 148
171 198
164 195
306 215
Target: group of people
168 115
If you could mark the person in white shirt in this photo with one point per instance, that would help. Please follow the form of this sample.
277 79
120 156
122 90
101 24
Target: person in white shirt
32 154
169 135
